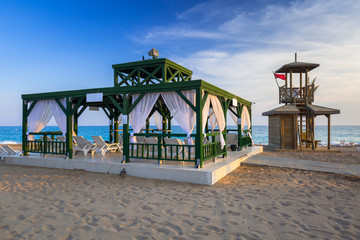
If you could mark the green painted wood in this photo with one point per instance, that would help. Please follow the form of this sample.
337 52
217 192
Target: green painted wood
76 123
82 110
204 99
69 148
116 104
173 86
24 127
78 104
60 105
136 102
186 100
32 105
198 139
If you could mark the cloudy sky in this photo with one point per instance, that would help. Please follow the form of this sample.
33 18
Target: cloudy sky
65 45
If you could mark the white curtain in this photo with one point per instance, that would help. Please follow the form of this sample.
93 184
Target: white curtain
183 114
59 115
205 113
220 117
232 115
141 111
39 117
245 118
212 119
158 120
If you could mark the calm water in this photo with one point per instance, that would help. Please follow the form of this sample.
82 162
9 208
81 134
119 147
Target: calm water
260 133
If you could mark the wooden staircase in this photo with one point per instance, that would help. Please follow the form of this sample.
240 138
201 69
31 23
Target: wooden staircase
305 125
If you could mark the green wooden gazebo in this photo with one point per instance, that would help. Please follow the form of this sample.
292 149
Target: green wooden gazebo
139 79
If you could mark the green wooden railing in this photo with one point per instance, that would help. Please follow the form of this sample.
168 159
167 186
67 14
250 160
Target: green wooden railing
213 148
162 151
45 146
173 152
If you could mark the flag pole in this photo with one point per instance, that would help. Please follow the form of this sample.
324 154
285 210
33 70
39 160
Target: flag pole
276 80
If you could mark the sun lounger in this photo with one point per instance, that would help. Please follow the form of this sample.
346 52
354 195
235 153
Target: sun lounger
2 152
151 150
10 151
103 147
82 145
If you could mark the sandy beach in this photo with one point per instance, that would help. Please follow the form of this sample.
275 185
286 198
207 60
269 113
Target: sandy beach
250 203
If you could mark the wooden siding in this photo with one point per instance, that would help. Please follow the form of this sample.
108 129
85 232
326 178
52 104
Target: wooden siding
289 128
274 131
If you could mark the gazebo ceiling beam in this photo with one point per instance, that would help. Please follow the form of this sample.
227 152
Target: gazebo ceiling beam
136 102
174 86
116 104
150 75
82 110
31 108
105 111
61 106
78 104
186 100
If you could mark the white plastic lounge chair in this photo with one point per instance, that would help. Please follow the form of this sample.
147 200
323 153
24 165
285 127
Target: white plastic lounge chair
192 149
47 138
103 147
61 138
171 152
82 145
10 151
2 152
152 148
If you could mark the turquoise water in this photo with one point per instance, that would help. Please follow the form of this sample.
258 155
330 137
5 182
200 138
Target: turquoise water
260 133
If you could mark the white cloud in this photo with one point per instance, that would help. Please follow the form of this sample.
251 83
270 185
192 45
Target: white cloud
324 32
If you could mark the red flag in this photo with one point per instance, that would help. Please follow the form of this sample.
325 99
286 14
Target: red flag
281 76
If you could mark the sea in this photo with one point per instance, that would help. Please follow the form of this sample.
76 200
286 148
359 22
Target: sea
349 134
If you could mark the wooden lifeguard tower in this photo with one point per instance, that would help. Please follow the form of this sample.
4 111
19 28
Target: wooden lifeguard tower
292 125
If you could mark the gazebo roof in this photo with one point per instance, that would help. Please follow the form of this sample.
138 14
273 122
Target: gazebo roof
297 67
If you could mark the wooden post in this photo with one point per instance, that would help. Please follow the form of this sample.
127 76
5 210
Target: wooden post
147 125
111 130
296 130
282 132
300 91
76 123
116 128
329 131
291 89
69 128
116 79
199 156
125 129
169 125
239 127
24 127
286 78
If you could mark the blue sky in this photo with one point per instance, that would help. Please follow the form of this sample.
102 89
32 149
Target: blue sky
65 45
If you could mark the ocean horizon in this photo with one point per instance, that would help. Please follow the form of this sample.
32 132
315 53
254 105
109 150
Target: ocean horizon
347 133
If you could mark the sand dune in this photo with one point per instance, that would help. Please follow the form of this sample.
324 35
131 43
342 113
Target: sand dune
250 203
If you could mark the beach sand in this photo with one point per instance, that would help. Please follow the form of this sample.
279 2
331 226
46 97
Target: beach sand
250 203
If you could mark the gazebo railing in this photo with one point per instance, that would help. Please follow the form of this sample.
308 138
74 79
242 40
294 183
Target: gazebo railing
45 146
174 152
213 149
162 151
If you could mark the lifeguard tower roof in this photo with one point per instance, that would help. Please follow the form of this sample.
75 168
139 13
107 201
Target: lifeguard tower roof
297 67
